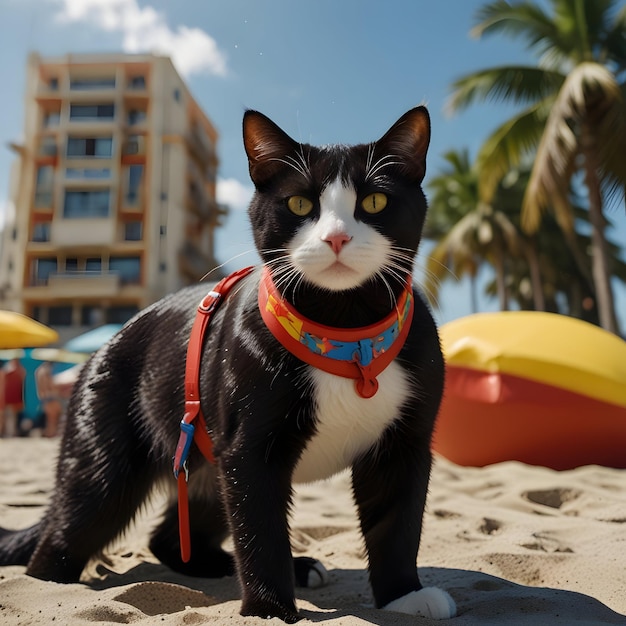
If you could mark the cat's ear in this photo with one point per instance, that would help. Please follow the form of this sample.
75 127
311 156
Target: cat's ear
408 140
266 145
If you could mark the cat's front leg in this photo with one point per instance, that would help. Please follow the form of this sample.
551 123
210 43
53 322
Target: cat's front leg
257 497
390 485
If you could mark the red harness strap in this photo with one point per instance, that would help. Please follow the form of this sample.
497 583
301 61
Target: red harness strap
193 410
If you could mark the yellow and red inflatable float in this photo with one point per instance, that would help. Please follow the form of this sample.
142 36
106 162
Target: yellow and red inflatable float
539 388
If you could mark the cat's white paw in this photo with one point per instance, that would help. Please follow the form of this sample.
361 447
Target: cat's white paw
318 576
427 602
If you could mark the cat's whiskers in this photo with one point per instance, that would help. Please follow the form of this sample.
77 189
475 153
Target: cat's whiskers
400 261
229 260
285 275
383 279
304 160
298 164
431 293
385 161
370 156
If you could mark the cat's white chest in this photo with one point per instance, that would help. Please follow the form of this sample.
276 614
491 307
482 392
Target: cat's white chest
347 424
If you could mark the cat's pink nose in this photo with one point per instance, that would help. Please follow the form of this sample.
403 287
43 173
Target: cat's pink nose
337 241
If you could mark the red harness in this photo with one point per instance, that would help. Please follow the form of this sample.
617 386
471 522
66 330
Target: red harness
357 353
193 410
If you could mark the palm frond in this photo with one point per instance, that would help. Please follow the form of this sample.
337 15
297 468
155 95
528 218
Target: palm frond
454 256
525 19
507 145
615 40
590 94
613 166
517 83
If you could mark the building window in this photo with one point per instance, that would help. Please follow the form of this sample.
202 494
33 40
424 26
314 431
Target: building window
48 146
93 264
41 232
86 204
41 270
177 95
136 116
91 315
137 82
88 173
121 314
71 265
98 147
134 145
45 176
51 118
90 112
53 84
60 315
86 84
133 231
43 186
128 268
133 185
38 313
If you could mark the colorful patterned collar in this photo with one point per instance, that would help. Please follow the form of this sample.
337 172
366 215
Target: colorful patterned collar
358 353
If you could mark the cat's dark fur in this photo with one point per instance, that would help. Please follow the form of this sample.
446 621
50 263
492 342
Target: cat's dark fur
265 409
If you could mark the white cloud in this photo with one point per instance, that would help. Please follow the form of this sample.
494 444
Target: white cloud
234 193
144 29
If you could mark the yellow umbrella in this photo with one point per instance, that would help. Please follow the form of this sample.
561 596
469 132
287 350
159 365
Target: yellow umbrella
20 331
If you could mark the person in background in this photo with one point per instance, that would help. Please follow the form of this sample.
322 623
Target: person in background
13 396
49 398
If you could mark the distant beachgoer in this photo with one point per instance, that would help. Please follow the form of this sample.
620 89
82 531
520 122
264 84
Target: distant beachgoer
49 398
13 397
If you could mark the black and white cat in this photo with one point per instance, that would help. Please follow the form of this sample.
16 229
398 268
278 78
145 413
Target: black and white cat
337 229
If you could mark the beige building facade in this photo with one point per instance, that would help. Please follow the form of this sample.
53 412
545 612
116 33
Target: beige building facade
113 191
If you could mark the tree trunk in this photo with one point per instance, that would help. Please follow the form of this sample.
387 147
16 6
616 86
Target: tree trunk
473 293
600 253
503 297
534 268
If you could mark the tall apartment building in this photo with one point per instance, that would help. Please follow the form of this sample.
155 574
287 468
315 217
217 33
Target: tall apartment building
113 189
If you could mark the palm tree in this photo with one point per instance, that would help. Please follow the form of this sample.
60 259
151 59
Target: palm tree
469 232
574 114
454 193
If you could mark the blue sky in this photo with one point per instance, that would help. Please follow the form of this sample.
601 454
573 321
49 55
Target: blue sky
327 71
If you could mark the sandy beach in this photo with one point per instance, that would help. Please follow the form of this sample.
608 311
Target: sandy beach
513 544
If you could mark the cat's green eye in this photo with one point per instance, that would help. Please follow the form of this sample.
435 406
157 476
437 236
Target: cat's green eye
374 203
299 205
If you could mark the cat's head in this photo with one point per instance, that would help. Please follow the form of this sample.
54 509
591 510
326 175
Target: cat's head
338 217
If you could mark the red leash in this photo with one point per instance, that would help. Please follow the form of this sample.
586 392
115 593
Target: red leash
193 410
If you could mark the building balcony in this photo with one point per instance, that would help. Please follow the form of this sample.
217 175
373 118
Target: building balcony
44 199
76 233
76 285
132 202
134 145
134 149
84 284
200 203
200 147
194 262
